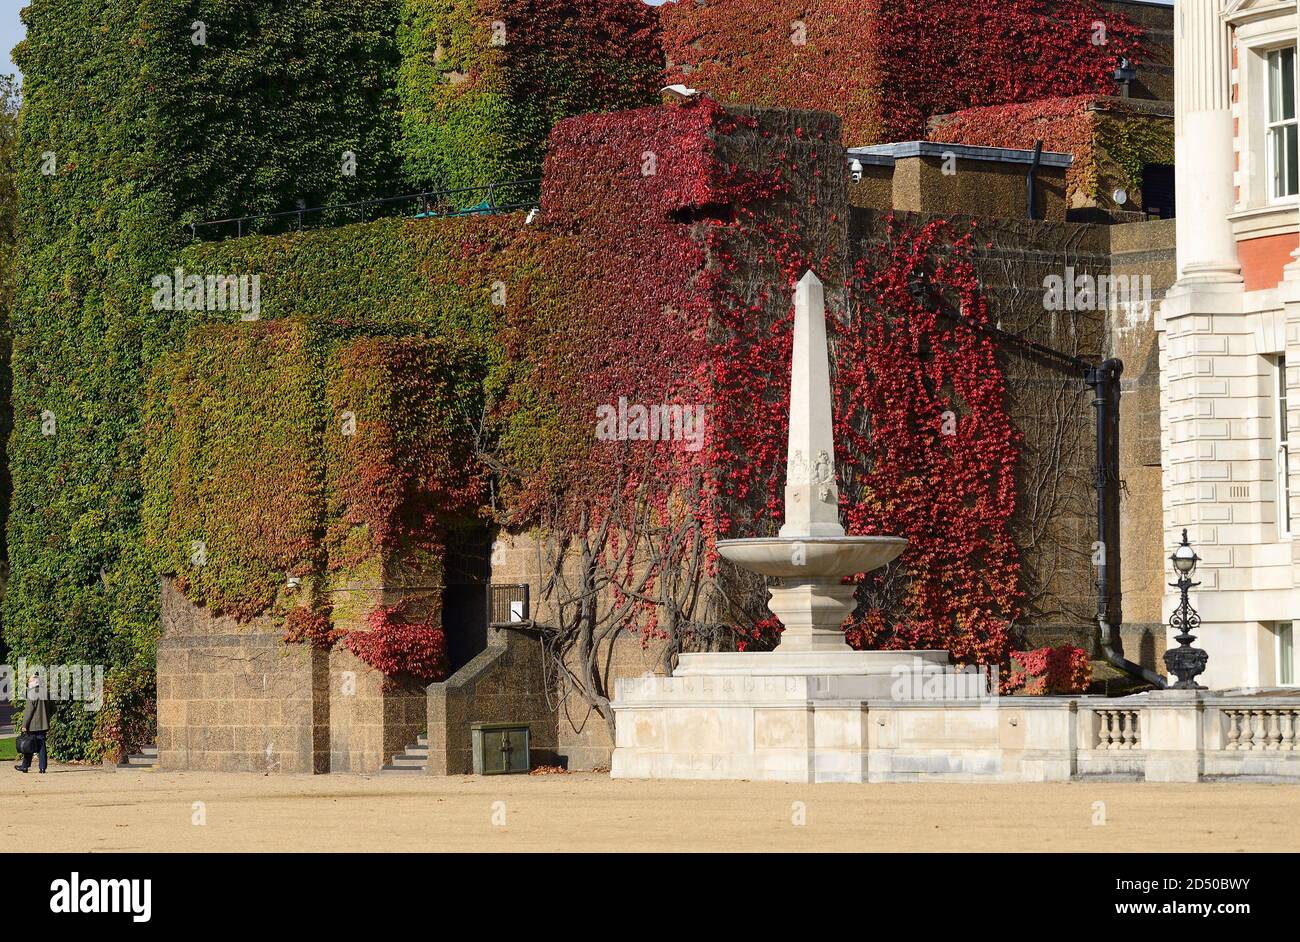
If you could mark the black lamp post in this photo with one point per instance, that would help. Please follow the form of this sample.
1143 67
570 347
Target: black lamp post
1185 661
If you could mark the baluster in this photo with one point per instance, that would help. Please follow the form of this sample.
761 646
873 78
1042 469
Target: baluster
1247 731
1112 730
1254 733
1288 742
1126 729
1137 729
1103 729
1272 733
1234 730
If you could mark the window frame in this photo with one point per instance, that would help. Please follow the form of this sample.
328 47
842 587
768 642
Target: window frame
1281 447
1273 128
1280 629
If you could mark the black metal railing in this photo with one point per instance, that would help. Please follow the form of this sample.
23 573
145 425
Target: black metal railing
507 604
486 200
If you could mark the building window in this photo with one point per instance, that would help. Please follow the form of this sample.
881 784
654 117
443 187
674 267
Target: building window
1283 146
1285 654
1282 464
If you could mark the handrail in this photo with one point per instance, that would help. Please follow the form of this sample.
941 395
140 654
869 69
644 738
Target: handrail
428 201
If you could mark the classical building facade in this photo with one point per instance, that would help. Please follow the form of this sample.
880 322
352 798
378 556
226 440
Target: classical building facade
1229 332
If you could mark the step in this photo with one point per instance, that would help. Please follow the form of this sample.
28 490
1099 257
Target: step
144 760
403 768
409 762
422 741
417 752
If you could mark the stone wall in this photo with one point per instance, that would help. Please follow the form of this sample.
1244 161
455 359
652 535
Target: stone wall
507 682
510 682
234 698
977 188
804 729
1055 524
929 183
1055 521
371 718
1155 71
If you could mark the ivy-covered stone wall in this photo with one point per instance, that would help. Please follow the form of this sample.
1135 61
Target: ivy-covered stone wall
138 116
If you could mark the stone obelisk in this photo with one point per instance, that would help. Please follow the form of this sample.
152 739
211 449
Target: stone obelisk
811 555
812 501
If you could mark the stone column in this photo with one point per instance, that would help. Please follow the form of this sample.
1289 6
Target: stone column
1203 144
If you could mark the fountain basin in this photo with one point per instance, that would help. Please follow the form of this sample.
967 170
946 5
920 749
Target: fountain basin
812 557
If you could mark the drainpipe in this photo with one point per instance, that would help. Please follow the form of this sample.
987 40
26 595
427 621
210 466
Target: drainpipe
1029 179
1104 380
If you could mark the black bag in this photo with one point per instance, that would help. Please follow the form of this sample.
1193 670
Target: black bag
27 744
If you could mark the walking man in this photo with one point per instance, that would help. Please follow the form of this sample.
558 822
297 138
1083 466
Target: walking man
36 721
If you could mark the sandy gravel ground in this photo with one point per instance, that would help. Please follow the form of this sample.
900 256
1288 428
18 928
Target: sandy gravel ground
93 809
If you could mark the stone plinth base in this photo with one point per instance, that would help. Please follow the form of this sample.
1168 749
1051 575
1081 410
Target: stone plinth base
858 716
905 716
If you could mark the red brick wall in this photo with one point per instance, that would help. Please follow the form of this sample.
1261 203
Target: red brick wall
1262 260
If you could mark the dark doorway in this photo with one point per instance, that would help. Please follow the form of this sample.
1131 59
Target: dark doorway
464 594
1158 191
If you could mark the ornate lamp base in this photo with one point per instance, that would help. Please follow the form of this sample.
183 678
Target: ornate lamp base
1186 662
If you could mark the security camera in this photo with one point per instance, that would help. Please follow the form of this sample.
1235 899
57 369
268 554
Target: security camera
855 171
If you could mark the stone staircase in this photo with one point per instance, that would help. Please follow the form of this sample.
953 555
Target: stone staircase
414 759
146 760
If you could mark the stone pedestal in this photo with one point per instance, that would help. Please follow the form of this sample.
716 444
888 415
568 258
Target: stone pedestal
1174 735
812 611
851 716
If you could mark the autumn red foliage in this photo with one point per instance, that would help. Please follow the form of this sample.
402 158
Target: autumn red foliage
1063 125
696 274
400 461
399 647
1053 671
886 66
304 625
929 452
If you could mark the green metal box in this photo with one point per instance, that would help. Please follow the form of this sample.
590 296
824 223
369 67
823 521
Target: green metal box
500 748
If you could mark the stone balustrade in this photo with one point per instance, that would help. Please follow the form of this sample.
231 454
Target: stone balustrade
817 731
1261 730
1118 729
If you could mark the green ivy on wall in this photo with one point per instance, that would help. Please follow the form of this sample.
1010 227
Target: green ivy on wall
1131 141
232 468
482 82
130 126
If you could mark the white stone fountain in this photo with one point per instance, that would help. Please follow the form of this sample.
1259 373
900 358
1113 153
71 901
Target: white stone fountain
751 714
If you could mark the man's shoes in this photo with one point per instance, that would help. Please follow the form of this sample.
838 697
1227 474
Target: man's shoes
19 768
